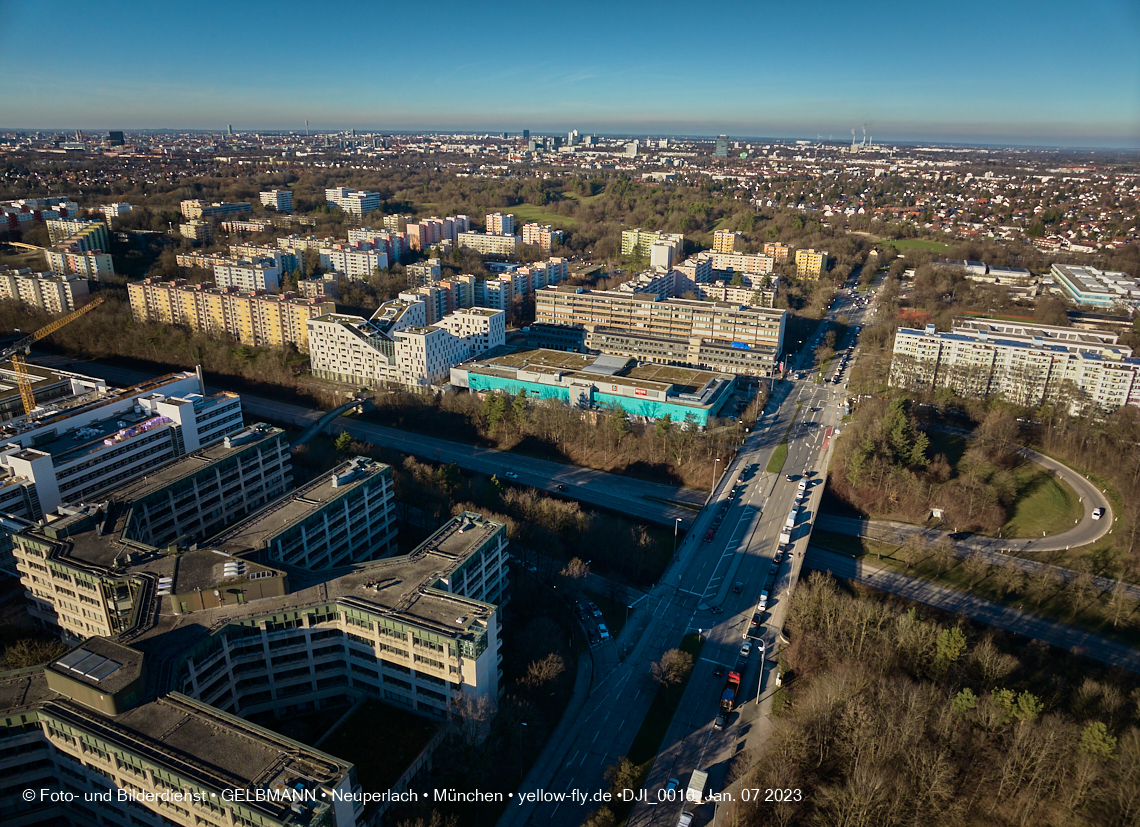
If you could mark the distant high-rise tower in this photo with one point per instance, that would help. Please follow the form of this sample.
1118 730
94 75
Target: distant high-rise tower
230 129
306 127
115 138
526 134
721 147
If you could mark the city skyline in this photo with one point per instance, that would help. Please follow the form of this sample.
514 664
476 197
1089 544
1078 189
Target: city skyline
1015 80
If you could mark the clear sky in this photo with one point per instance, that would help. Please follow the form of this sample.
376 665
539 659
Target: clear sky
1031 73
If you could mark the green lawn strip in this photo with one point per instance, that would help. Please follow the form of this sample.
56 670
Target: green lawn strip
780 455
532 212
647 743
916 244
1094 616
1100 482
1044 503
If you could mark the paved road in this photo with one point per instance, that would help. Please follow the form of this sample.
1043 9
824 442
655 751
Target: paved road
952 600
986 547
647 500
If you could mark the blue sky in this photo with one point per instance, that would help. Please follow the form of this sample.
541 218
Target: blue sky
1041 73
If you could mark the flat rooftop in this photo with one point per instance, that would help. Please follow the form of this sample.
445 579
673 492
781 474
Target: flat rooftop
100 663
252 533
396 586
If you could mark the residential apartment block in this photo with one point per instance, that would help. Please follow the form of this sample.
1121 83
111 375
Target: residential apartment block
489 244
355 202
727 241
52 292
286 261
253 318
115 210
197 230
356 263
541 235
248 226
499 223
262 274
91 264
749 264
194 208
280 200
639 243
1026 364
94 232
810 264
780 252
397 346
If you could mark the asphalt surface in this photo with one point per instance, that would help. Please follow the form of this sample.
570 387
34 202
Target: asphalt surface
994 614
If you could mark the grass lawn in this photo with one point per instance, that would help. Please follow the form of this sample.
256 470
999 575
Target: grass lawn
381 741
541 215
1044 504
917 244
647 742
1094 613
780 455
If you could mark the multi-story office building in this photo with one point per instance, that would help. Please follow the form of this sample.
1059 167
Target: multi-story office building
80 453
197 230
94 232
810 264
675 330
398 347
356 202
1093 288
1026 364
499 223
541 235
727 241
53 292
253 318
262 274
355 262
778 251
280 200
639 243
488 244
194 208
721 150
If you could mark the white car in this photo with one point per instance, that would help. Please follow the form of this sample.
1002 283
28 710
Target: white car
1097 513
746 649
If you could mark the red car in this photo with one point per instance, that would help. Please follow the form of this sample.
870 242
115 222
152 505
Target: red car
709 535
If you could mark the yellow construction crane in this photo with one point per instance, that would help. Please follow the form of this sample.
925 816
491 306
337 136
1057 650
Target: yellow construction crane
16 352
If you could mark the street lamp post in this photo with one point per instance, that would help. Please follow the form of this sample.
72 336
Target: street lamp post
676 526
715 464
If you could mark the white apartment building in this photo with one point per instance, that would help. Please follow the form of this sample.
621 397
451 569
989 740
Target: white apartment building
748 264
261 274
398 347
356 264
82 452
280 200
1026 364
89 264
197 230
499 223
53 292
112 211
286 261
352 201
489 244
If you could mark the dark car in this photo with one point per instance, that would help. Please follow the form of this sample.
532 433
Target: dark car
737 587
593 637
718 670
959 535
561 487
709 535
